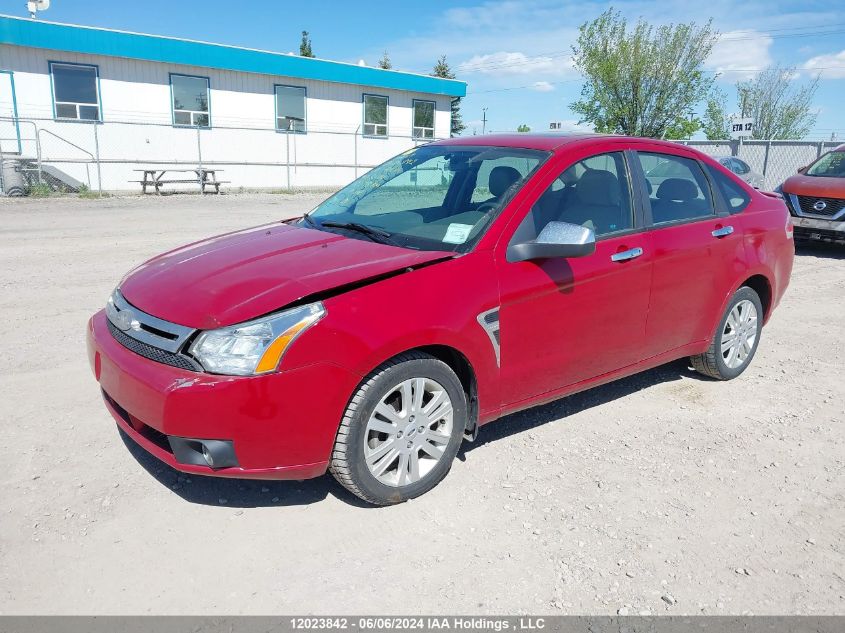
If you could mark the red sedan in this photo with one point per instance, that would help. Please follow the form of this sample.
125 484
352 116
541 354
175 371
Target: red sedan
458 282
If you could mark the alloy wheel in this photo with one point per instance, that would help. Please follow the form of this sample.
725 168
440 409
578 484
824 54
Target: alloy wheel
408 431
739 334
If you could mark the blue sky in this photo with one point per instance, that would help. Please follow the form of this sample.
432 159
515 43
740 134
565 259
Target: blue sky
513 54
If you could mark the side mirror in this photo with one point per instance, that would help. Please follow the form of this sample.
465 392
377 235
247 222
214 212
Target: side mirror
801 170
557 239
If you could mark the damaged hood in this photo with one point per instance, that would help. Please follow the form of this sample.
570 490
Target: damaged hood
240 276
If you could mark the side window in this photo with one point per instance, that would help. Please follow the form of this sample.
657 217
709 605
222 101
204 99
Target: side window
423 119
677 188
375 116
76 92
594 192
190 100
290 108
735 196
496 175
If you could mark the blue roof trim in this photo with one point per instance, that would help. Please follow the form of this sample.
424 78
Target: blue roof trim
95 41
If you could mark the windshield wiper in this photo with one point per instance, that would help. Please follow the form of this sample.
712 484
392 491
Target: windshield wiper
309 220
376 235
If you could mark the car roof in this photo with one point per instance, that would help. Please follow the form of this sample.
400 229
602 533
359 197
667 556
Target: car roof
546 141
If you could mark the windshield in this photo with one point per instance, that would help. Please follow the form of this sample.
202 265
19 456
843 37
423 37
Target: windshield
434 197
831 165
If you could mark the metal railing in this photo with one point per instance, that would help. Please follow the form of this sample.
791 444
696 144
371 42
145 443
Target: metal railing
250 156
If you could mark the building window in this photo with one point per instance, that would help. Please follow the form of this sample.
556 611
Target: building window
375 115
290 109
190 100
424 119
76 94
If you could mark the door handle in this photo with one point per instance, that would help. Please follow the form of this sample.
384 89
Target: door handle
723 232
624 256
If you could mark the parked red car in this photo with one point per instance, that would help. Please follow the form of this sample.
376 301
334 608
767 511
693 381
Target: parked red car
455 283
816 197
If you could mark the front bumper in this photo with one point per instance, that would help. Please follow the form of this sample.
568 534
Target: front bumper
282 425
823 230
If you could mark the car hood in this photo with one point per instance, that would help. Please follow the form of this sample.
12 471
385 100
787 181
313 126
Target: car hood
818 186
240 276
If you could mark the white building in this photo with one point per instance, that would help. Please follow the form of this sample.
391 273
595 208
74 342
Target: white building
98 104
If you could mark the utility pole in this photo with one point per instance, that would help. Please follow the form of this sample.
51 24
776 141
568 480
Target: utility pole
483 120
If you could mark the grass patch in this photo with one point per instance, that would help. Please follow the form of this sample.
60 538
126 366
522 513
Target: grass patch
39 190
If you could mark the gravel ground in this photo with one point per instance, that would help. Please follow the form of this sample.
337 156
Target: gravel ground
661 493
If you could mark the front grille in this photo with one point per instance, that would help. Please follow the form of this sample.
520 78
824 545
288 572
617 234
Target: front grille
832 206
153 353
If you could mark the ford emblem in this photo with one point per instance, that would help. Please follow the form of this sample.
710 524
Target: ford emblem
123 320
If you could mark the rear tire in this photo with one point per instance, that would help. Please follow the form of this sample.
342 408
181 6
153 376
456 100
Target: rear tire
401 430
736 339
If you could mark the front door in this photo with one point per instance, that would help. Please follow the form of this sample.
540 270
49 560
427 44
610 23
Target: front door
566 320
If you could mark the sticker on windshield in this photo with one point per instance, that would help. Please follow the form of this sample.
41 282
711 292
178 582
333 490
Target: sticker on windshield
457 233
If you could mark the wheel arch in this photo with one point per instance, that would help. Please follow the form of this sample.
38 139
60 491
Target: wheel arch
457 361
760 284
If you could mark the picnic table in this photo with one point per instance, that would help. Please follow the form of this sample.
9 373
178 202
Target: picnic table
202 176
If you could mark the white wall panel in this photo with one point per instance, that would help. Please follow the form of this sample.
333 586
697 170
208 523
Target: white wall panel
137 123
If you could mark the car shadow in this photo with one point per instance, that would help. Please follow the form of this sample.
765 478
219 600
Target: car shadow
826 250
564 407
252 493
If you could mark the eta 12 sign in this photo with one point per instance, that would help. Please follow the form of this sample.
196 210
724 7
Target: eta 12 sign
742 128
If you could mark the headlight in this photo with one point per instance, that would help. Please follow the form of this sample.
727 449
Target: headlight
255 347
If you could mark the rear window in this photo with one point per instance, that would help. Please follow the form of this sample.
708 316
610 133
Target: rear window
735 196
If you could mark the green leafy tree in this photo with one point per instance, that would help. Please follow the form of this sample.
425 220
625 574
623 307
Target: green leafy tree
682 128
385 62
442 69
781 109
523 128
715 121
641 81
305 46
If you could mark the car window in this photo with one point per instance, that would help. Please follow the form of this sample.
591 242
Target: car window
433 197
494 173
741 167
735 196
594 192
677 188
831 165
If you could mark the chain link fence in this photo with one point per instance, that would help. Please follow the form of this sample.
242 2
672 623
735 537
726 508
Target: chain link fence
774 160
111 156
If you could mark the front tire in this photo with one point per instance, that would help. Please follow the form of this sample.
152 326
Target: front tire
401 430
736 338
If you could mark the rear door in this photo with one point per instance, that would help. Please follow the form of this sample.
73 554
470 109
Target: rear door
698 249
566 320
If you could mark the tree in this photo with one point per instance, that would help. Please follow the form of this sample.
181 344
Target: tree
640 81
682 128
523 128
780 110
442 69
715 122
305 46
385 62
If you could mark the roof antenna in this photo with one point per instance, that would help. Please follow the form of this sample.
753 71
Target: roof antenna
34 6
